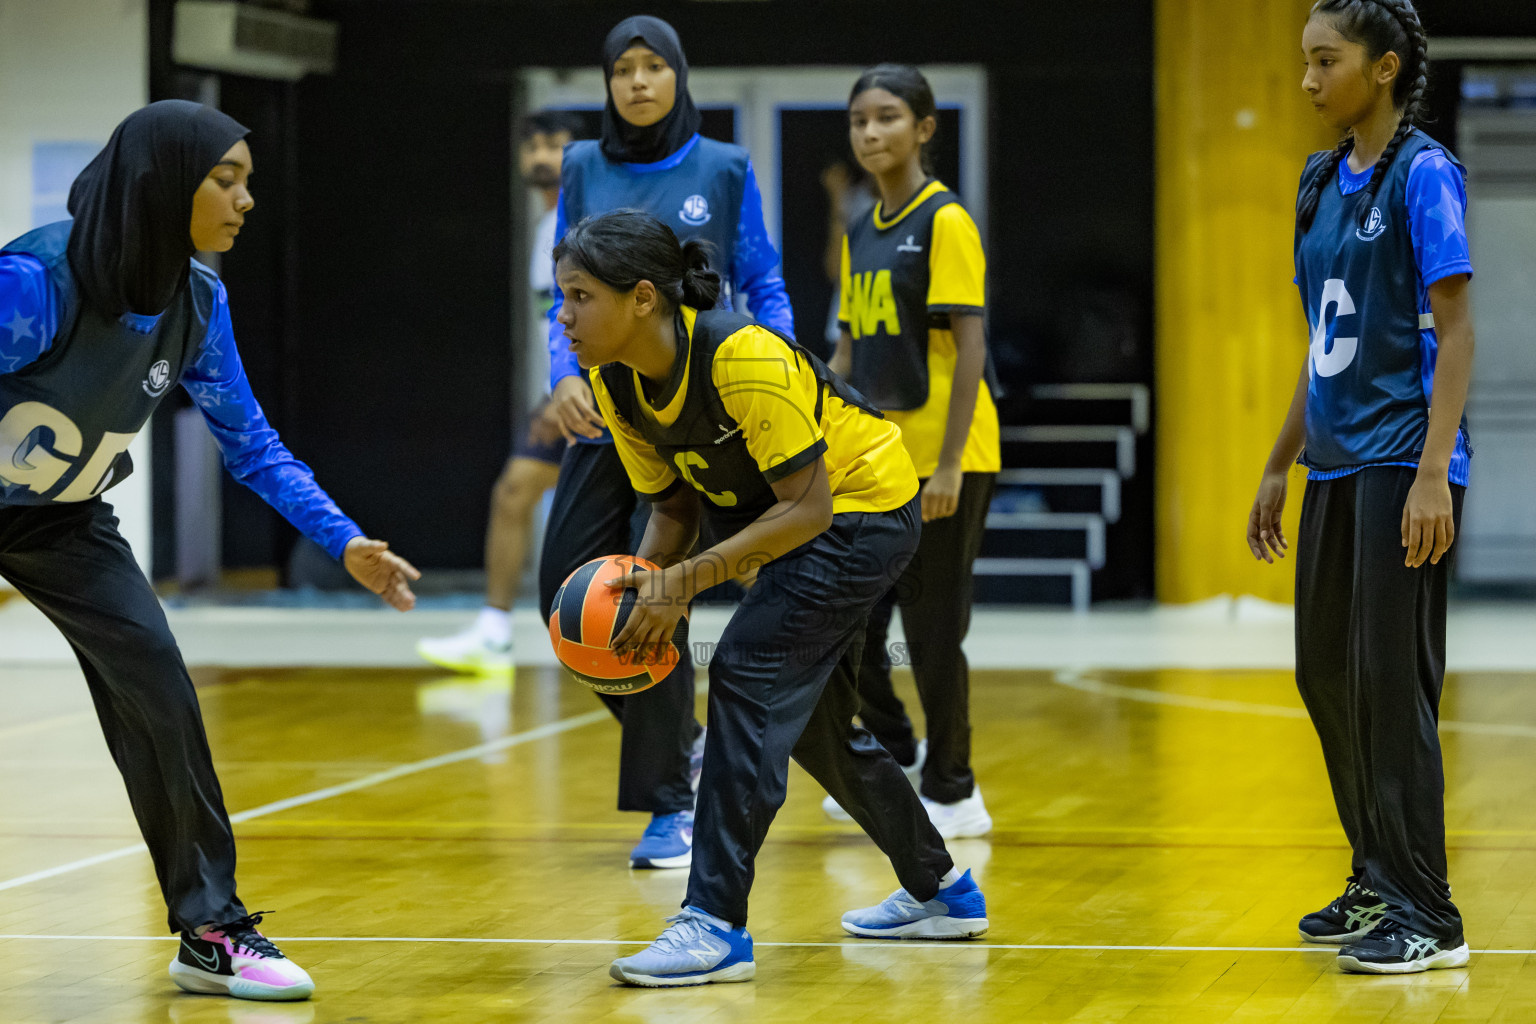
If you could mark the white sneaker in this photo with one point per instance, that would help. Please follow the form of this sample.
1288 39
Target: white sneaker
470 651
913 772
834 810
964 819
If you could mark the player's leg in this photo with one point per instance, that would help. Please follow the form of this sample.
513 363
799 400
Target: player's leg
591 517
516 498
935 901
936 615
1400 636
766 679
1326 555
660 753
588 517
72 564
880 710
765 676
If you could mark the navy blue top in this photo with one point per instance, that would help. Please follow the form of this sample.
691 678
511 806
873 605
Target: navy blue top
1365 290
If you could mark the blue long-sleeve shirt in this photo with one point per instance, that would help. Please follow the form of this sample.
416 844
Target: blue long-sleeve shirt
684 191
251 450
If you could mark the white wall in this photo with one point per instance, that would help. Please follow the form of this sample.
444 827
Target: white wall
70 70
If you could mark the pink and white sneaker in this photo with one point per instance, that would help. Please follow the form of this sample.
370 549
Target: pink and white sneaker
237 960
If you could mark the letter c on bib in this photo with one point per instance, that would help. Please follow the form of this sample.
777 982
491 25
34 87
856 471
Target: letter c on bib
1327 363
23 457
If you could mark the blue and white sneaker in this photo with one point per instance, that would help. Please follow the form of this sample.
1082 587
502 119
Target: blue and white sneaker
667 842
958 912
694 951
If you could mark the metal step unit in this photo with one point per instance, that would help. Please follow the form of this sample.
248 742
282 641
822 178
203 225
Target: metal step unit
1075 571
1092 403
1070 490
1072 446
1045 535
1062 490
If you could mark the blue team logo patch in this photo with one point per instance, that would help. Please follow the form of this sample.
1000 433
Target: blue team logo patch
158 379
695 211
1374 226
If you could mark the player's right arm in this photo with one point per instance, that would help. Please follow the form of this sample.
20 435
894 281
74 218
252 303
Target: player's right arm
1265 532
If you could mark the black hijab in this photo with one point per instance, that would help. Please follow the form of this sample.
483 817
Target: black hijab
132 239
627 143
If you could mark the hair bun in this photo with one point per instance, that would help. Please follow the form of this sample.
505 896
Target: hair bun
696 254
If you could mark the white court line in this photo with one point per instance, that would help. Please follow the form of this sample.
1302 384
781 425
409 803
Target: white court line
955 947
1101 688
389 774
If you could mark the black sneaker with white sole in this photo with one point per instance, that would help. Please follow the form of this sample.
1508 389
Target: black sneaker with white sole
1346 919
1391 948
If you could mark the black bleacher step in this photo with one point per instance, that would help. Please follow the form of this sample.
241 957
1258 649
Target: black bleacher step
1044 590
1061 490
1075 412
1045 535
1071 447
1112 404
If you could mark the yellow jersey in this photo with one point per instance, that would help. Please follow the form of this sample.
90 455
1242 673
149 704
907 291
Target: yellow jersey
903 278
744 408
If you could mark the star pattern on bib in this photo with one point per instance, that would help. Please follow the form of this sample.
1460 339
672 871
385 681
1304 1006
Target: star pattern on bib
17 354
1437 212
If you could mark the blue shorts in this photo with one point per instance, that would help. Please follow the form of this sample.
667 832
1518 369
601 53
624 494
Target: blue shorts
539 437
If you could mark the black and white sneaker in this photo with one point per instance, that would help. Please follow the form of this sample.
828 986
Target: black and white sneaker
237 960
1391 948
1346 919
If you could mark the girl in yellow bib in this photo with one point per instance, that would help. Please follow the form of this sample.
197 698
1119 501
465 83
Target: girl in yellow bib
718 418
913 298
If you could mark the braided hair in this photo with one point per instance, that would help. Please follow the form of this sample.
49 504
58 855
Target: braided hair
1379 26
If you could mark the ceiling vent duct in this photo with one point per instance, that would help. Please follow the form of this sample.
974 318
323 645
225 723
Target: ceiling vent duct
222 35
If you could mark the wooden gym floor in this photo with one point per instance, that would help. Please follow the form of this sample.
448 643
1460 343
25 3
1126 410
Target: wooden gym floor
445 849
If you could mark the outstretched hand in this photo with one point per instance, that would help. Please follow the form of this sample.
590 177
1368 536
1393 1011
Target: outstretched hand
382 571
